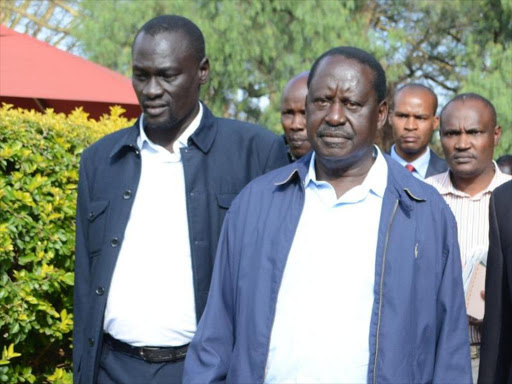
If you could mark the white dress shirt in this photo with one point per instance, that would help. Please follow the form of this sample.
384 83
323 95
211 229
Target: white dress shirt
420 164
322 322
151 299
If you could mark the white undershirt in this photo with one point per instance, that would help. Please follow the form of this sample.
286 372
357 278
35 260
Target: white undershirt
322 322
151 299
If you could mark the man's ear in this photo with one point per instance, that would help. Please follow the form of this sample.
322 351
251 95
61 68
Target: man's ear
204 70
390 116
383 114
497 135
436 123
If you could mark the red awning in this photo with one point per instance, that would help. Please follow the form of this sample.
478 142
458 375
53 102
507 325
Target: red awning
34 74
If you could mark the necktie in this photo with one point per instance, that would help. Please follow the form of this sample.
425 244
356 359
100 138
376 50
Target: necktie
410 167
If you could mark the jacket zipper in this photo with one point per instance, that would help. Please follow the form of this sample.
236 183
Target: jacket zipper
380 292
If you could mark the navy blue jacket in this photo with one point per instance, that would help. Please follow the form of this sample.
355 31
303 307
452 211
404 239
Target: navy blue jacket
418 328
436 165
221 158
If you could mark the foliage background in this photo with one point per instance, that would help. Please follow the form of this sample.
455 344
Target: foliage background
254 46
39 159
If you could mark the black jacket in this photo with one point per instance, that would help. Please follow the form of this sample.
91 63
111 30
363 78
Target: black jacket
221 158
496 352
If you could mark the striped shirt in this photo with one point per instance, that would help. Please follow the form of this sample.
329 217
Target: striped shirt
472 216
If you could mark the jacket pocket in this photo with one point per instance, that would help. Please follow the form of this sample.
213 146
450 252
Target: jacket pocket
224 200
97 221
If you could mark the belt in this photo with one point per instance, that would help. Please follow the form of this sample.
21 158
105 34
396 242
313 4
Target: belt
149 354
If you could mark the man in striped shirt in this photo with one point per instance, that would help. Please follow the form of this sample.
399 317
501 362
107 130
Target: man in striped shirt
469 133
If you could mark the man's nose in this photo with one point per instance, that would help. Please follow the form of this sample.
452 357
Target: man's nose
462 142
411 123
298 122
336 114
152 88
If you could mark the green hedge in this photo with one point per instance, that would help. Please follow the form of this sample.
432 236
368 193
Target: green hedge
39 157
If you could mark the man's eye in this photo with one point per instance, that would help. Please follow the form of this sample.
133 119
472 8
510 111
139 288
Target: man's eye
351 105
139 76
322 102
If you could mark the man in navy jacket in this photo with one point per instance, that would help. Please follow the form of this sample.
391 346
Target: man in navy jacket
341 267
151 202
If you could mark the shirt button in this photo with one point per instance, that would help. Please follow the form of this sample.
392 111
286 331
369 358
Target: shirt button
127 194
100 291
192 193
91 215
137 152
114 242
91 341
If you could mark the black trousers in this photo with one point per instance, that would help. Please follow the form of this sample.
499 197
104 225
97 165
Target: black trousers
119 368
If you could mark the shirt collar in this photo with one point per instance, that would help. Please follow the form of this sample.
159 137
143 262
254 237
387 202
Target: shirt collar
420 164
375 180
182 140
446 186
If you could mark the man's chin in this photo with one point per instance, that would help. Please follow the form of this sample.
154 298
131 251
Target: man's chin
412 150
160 125
464 171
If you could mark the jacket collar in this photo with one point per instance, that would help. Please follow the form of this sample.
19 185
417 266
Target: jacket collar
399 183
205 134
128 141
299 170
203 137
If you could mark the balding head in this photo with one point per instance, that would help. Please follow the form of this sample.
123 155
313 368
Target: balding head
469 135
293 115
413 120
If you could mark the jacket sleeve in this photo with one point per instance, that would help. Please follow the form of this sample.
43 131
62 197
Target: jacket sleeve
496 359
209 354
81 271
453 362
277 155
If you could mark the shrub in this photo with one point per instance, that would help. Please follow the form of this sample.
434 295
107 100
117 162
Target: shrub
39 158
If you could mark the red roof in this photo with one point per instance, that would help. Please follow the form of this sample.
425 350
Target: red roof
49 77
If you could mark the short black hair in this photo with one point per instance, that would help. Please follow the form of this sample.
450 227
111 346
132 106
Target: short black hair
175 23
362 57
472 96
420 87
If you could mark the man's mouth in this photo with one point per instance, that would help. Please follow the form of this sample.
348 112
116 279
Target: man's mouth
154 109
296 141
463 159
409 139
334 138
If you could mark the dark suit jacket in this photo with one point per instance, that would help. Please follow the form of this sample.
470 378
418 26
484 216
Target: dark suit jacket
496 352
222 156
436 165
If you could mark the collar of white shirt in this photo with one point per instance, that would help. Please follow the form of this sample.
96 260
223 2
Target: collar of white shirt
420 164
143 140
375 181
444 184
